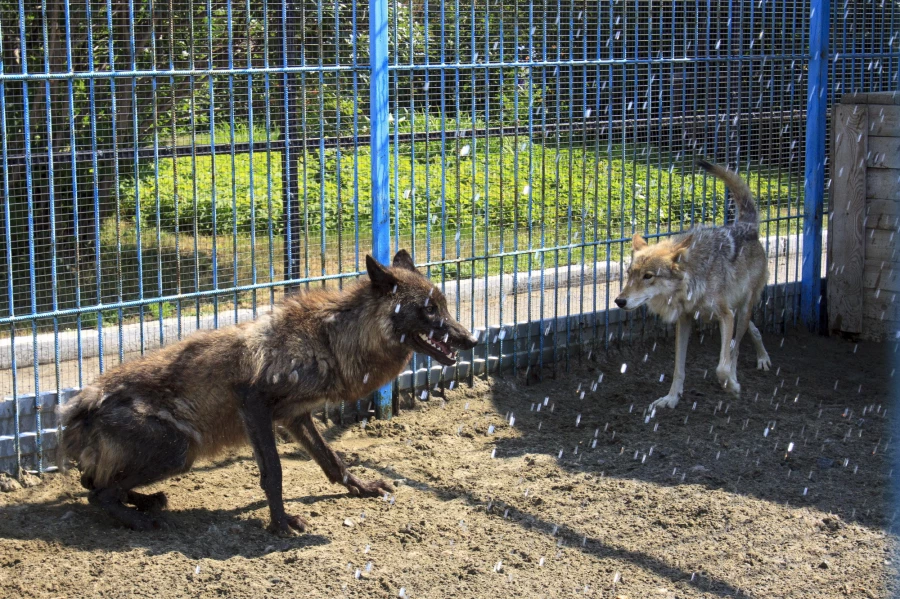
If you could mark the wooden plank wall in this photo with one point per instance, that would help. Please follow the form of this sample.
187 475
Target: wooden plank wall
864 269
848 207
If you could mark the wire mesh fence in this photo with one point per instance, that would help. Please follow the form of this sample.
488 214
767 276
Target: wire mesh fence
178 165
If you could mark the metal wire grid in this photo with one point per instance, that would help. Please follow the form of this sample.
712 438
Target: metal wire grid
175 165
546 134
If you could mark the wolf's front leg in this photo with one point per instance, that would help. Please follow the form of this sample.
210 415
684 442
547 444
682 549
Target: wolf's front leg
762 356
258 422
304 430
682 336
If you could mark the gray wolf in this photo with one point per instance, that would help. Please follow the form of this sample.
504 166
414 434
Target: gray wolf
709 273
151 418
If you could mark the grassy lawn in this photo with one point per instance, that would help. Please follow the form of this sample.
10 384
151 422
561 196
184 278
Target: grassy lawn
207 223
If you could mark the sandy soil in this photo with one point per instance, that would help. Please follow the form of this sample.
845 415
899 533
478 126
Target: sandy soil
702 501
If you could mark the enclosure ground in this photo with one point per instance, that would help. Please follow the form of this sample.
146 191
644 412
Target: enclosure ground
703 501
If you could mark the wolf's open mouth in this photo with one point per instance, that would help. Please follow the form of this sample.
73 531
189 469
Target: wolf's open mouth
439 346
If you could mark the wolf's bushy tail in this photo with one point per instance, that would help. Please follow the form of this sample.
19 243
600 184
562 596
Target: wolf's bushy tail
75 416
743 199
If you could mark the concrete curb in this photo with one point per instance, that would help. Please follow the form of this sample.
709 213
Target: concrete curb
576 275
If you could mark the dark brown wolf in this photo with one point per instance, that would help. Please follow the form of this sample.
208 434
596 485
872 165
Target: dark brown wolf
149 419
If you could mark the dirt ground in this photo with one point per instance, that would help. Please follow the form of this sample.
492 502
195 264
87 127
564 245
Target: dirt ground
778 494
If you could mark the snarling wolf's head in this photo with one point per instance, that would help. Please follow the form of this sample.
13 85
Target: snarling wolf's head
655 271
419 310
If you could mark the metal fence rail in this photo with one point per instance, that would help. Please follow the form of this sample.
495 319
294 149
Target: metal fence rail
179 164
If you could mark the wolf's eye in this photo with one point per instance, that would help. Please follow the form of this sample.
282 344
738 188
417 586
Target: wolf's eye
430 309
648 276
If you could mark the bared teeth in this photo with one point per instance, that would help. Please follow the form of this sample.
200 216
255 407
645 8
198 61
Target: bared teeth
439 346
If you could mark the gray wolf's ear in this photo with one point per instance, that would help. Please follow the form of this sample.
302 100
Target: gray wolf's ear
381 279
402 259
638 243
679 252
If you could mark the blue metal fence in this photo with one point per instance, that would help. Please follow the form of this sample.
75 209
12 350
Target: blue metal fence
178 164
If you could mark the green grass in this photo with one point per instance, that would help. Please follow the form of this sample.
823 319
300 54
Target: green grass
494 189
486 185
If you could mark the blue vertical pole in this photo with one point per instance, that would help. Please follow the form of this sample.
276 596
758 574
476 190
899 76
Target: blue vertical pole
814 187
380 144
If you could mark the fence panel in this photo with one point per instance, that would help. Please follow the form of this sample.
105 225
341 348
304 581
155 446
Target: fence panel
530 142
178 164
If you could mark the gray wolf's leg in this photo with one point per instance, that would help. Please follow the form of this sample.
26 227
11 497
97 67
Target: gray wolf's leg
682 336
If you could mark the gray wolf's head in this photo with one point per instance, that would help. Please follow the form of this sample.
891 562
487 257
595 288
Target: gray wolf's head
655 271
419 316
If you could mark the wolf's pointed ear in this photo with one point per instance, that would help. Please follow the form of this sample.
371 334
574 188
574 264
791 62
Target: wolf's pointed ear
679 252
402 259
381 279
638 243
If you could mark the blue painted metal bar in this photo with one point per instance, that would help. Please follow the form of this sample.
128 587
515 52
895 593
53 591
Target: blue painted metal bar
7 219
54 292
814 171
229 20
116 180
207 293
29 194
212 170
251 127
154 90
379 146
76 225
483 65
135 132
267 95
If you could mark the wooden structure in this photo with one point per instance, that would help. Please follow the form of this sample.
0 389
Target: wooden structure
863 256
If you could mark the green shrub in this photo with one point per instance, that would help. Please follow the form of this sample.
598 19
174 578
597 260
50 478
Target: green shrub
241 195
488 184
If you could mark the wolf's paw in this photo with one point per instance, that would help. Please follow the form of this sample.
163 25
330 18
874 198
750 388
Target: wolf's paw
363 488
288 526
147 503
732 386
763 362
669 401
724 374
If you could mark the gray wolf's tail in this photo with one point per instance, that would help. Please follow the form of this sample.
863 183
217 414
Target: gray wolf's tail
76 416
743 199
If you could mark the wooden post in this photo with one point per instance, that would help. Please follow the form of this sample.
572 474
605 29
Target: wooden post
846 250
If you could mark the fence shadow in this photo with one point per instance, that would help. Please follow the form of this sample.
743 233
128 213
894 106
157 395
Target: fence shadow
810 432
217 534
575 539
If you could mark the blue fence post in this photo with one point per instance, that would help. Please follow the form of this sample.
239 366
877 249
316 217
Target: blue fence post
379 142
290 176
814 185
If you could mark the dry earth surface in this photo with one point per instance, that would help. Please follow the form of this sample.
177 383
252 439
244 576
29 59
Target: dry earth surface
781 493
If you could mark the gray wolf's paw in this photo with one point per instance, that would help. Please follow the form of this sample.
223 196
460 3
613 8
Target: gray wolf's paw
732 386
763 362
669 401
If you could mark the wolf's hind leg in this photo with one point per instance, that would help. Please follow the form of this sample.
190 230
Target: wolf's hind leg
743 322
762 356
304 430
109 500
724 370
142 452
